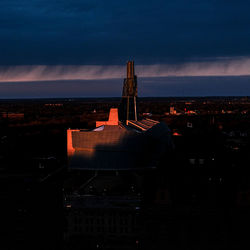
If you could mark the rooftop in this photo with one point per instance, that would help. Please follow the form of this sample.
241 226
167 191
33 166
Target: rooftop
118 147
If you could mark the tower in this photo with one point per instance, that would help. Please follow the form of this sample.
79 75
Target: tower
128 107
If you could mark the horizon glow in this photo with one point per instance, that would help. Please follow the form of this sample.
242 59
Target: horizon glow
214 67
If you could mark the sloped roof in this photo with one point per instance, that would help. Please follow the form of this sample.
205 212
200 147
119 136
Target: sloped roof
115 138
116 147
142 125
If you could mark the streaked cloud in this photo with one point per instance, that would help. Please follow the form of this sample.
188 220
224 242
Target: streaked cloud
215 67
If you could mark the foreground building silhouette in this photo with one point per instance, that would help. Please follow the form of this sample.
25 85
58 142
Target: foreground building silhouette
114 160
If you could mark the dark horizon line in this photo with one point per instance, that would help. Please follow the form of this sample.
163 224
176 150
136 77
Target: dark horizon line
119 97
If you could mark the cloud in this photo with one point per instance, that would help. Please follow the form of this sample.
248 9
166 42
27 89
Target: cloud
215 67
98 32
60 72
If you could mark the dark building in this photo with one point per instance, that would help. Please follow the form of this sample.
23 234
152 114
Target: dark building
31 212
104 212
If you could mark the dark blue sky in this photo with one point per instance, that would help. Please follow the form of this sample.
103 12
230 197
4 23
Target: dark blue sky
91 32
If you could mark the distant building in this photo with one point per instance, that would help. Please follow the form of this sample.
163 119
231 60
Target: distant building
53 104
12 115
172 111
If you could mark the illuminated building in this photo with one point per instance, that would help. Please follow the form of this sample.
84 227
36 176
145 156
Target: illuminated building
172 111
119 144
106 207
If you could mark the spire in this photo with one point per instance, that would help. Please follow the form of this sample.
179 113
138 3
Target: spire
130 83
128 108
130 70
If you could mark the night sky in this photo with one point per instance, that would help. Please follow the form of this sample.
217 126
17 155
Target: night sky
72 48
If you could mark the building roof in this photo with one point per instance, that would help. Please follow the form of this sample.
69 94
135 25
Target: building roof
92 201
142 125
113 147
119 147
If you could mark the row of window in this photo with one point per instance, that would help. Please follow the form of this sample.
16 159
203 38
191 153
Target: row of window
90 229
103 221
